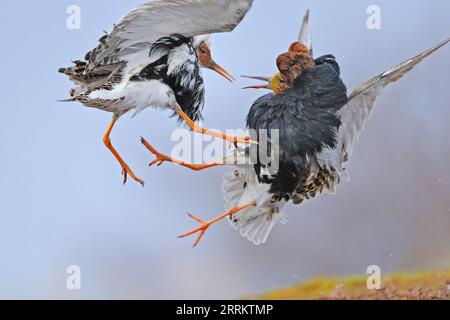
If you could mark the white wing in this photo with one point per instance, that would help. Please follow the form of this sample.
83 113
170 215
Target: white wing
241 187
305 33
355 114
152 21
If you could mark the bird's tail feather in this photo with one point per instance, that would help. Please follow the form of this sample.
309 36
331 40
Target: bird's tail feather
255 223
66 100
233 188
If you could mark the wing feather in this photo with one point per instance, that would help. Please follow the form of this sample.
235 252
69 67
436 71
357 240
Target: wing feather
305 33
152 21
357 111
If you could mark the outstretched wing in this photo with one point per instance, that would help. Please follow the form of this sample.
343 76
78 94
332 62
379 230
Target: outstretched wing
305 33
355 114
152 21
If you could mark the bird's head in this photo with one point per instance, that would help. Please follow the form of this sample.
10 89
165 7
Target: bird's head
277 83
203 50
291 65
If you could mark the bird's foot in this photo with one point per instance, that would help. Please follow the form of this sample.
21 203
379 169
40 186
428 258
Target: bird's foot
160 158
205 225
201 230
246 140
126 171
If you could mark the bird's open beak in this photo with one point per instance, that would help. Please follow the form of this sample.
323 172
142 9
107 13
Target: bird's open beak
265 79
224 73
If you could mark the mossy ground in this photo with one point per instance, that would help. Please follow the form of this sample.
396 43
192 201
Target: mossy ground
411 286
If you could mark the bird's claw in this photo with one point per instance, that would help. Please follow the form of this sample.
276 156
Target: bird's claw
125 176
127 171
159 161
160 158
202 229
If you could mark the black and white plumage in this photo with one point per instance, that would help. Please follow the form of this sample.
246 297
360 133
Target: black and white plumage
187 86
314 146
172 30
153 58
173 79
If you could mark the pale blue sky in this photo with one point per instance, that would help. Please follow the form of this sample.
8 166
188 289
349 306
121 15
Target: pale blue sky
62 201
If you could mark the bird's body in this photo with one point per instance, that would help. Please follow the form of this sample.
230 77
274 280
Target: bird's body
171 75
305 119
152 58
317 134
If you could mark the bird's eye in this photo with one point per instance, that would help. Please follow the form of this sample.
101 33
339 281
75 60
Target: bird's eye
281 80
203 51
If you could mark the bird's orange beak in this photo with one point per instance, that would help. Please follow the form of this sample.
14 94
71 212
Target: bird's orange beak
268 86
224 73
206 61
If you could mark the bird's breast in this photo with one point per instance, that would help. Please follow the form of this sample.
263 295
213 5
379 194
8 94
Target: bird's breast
152 93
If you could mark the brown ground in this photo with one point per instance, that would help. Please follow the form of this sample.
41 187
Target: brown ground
417 286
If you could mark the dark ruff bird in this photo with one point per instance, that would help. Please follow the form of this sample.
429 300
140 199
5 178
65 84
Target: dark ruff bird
305 115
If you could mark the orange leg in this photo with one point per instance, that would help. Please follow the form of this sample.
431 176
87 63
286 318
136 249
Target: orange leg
206 225
125 169
223 136
161 158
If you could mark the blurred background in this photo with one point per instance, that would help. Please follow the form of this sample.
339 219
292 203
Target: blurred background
62 202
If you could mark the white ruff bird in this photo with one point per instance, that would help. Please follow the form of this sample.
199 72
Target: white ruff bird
152 58
318 126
